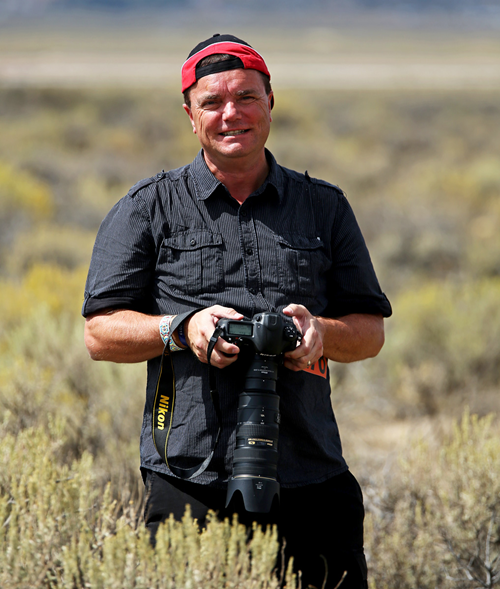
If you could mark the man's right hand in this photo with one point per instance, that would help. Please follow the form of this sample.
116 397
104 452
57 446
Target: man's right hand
199 328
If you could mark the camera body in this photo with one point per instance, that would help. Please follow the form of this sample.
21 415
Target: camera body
270 334
255 460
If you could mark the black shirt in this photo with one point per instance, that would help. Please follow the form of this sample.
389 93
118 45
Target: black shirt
179 242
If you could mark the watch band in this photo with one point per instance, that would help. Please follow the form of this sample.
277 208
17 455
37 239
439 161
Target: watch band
166 334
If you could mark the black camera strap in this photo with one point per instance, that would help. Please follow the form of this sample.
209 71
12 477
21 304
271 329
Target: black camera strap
163 410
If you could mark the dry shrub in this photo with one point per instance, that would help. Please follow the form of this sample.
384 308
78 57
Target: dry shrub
47 285
441 522
24 200
58 530
444 341
21 191
58 246
45 370
442 351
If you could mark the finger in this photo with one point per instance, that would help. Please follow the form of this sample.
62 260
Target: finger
299 315
293 309
220 312
300 364
304 356
223 353
220 360
309 345
291 365
295 365
226 348
296 312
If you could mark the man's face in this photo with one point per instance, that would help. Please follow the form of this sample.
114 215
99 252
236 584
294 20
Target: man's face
231 114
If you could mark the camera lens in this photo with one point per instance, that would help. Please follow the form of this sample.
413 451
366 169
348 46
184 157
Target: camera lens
255 460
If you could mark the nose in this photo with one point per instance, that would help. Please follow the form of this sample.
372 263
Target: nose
230 112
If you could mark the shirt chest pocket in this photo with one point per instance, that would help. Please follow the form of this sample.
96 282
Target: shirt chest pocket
301 264
190 262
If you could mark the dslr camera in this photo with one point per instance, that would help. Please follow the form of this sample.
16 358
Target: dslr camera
255 461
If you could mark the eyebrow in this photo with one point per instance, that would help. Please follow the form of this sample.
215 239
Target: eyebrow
215 96
244 92
208 97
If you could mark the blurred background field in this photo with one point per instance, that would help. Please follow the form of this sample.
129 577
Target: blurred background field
402 111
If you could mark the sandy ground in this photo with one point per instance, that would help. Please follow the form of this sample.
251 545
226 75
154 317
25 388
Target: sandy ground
151 70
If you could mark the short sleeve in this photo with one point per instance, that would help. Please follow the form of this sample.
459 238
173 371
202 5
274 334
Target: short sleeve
122 261
353 286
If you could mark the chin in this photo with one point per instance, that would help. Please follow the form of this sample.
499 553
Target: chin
234 151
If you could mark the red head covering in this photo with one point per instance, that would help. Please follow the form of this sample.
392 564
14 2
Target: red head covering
244 57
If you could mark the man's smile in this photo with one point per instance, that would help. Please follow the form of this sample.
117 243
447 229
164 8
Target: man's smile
233 133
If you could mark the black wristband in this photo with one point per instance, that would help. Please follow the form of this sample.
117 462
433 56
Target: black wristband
180 333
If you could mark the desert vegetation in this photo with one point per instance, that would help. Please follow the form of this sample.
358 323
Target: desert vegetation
419 422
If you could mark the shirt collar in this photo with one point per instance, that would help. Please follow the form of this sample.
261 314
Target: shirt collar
206 183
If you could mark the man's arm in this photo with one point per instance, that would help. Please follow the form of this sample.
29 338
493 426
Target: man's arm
122 335
129 336
345 339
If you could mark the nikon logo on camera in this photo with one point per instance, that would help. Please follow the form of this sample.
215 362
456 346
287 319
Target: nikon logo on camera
163 409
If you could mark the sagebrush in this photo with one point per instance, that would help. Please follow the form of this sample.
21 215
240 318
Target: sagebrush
58 529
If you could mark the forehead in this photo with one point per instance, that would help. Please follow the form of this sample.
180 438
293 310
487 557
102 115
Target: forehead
232 81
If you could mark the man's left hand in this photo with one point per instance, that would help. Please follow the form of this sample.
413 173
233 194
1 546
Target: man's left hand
310 349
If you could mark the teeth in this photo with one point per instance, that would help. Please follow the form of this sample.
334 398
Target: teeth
231 133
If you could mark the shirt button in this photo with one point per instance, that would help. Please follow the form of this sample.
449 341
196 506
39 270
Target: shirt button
250 251
193 242
253 291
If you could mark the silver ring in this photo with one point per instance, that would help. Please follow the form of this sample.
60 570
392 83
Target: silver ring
309 363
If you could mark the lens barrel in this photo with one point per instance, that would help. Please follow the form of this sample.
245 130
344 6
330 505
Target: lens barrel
255 460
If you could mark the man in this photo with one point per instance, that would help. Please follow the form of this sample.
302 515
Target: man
227 236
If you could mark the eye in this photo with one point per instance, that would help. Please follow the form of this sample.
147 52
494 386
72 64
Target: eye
209 103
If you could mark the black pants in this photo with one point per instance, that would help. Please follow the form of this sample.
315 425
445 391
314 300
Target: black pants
318 522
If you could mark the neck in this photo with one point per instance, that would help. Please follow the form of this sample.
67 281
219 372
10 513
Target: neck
241 178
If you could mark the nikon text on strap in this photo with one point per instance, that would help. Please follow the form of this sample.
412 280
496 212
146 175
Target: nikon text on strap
163 411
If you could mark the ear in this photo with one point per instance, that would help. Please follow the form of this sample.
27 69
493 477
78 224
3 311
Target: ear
190 115
271 103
